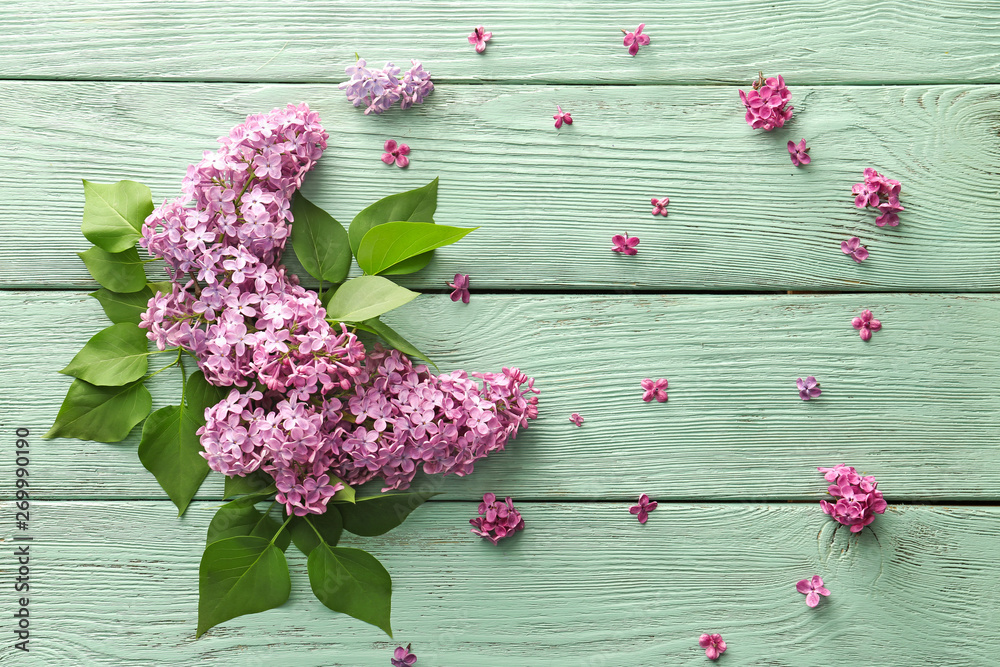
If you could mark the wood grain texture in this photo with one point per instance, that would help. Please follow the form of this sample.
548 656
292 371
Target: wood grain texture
741 216
584 585
917 406
888 41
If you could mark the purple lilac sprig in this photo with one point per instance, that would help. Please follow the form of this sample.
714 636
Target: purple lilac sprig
858 499
378 89
872 190
309 405
496 520
767 103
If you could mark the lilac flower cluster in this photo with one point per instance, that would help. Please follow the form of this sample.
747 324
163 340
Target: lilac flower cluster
496 520
309 406
858 501
767 103
870 193
379 89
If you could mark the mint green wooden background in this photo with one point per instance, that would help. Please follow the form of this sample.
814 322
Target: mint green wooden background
734 295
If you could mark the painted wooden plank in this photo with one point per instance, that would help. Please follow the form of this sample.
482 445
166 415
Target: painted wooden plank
916 406
741 216
585 584
891 41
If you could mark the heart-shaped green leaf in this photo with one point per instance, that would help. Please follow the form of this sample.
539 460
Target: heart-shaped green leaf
365 297
412 206
375 515
393 242
170 448
352 582
319 241
123 307
118 271
240 575
113 213
114 356
256 482
104 414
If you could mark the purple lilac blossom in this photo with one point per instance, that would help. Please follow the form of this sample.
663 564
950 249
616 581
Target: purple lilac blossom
644 507
378 89
496 520
767 103
308 404
866 324
854 249
808 388
858 499
812 589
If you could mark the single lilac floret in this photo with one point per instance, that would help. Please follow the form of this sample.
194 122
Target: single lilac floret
643 509
812 589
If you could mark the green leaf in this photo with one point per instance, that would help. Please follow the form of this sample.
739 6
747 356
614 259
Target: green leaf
123 308
165 287
320 242
386 333
387 245
170 449
412 206
257 482
240 575
365 297
113 213
352 582
118 271
114 356
241 517
381 513
104 414
309 530
346 494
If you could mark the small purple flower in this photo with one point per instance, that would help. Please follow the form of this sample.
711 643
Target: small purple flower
858 499
655 389
808 388
496 520
460 287
660 206
644 507
562 117
576 419
402 657
800 153
396 153
479 37
634 39
853 247
714 645
866 324
625 244
812 589
890 212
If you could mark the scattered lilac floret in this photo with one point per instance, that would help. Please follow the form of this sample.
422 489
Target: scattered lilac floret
562 117
625 244
767 103
396 153
660 206
479 37
576 419
460 288
866 324
812 589
655 389
799 152
858 499
402 657
872 190
644 507
635 39
854 249
808 388
496 520
714 645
